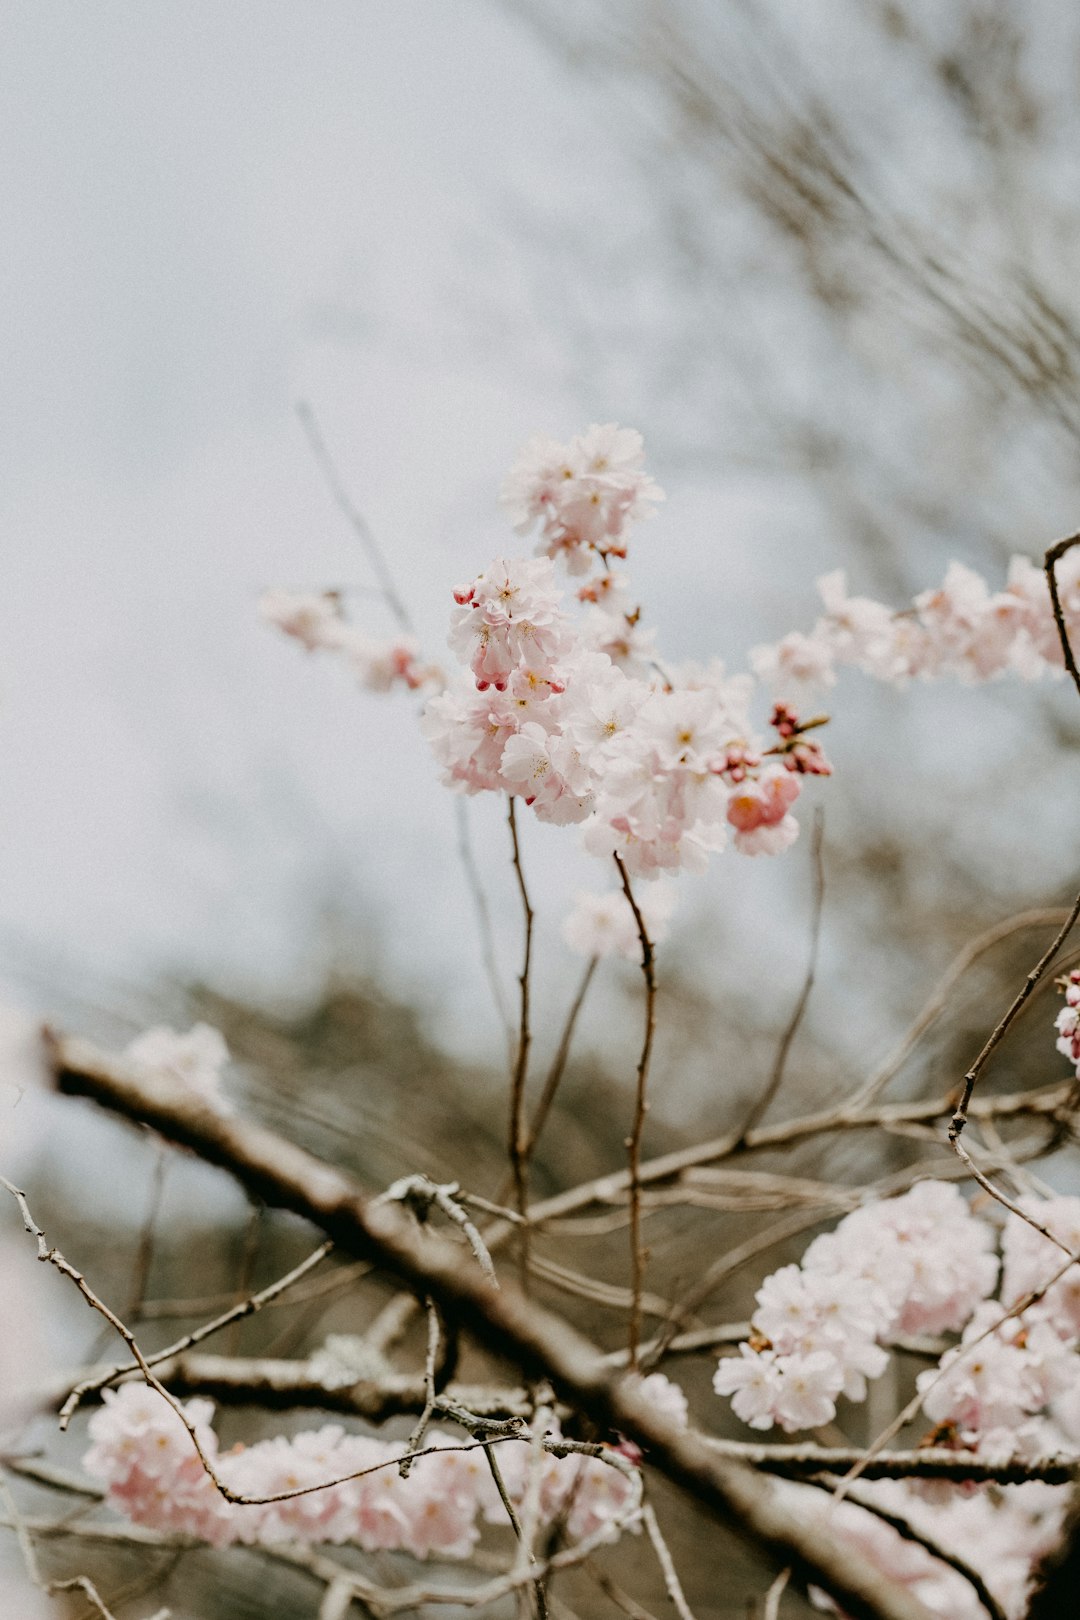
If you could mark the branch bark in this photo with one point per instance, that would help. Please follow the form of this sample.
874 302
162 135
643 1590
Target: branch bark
541 1344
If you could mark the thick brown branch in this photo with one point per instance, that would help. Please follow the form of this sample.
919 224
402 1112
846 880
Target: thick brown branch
539 1343
279 1385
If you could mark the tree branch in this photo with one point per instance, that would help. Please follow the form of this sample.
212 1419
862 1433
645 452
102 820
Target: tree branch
503 1321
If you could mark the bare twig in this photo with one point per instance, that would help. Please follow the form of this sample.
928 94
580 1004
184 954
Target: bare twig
960 1117
246 1307
504 1322
145 1252
638 1255
622 1600
1053 557
483 915
519 1131
770 1608
431 1361
562 1053
1001 1029
776 1079
420 1193
672 1584
356 520
1037 917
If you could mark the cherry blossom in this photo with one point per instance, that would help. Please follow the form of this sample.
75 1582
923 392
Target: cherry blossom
1067 1022
960 629
145 1457
196 1058
583 496
604 925
919 1263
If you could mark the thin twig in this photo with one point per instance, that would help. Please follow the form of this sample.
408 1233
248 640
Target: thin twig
248 1254
475 886
638 1257
246 1307
770 1609
420 1193
1036 917
776 1078
145 1253
907 1530
516 1525
959 1119
431 1361
622 1600
558 1066
357 522
519 1133
672 1584
1053 557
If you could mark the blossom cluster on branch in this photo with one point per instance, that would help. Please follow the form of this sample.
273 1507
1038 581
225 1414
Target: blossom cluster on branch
1007 1391
960 629
152 1473
1000 1535
562 702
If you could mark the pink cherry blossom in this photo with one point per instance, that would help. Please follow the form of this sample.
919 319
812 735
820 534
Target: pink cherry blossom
196 1058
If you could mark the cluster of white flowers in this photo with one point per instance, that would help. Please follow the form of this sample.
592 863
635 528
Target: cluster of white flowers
1009 1390
1011 1387
659 770
919 1263
197 1058
1001 1534
582 496
1068 1021
316 619
962 629
153 1474
604 924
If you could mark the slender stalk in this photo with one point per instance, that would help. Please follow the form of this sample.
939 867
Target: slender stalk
554 1075
355 519
1053 557
776 1079
638 1256
518 1144
960 1117
558 1065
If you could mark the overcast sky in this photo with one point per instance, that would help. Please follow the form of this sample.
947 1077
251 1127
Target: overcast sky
214 212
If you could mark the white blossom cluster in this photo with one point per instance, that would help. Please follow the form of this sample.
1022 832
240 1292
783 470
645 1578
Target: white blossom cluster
961 629
316 619
919 1263
146 1459
197 1058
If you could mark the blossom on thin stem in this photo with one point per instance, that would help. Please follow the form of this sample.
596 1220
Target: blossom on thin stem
919 1263
197 1058
582 496
146 1460
317 620
604 925
1067 1022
